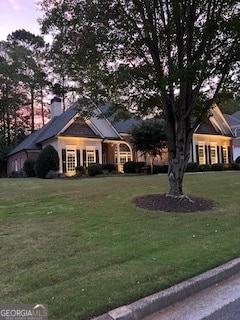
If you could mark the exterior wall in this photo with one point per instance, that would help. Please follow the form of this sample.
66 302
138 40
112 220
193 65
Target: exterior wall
78 146
16 161
214 149
236 148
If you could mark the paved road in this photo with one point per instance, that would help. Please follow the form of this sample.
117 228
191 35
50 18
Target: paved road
229 312
220 302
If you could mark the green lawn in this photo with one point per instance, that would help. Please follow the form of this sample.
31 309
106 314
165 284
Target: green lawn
83 248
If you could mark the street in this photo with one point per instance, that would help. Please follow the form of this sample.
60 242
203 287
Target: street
219 302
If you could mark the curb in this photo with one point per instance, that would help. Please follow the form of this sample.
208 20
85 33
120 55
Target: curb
155 302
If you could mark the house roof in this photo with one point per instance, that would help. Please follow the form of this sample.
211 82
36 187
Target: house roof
29 143
65 125
232 121
123 121
207 128
80 129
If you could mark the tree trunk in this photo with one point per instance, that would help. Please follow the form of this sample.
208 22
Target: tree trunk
179 142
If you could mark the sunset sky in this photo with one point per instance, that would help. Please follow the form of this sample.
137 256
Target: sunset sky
18 14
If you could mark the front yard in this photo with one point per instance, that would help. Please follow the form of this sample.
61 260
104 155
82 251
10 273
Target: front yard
83 248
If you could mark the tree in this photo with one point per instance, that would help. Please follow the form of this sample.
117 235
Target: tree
29 50
47 160
183 51
150 138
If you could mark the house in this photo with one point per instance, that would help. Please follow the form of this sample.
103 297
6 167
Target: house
212 140
78 142
81 140
234 123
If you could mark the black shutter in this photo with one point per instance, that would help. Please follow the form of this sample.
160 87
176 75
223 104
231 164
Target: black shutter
84 157
64 164
97 156
208 152
218 155
78 158
197 154
229 155
222 154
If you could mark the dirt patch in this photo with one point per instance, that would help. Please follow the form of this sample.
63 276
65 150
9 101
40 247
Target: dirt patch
162 202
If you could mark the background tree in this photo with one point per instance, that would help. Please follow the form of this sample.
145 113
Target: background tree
29 50
150 138
133 50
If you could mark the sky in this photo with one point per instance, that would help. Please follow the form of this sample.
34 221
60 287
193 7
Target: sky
18 14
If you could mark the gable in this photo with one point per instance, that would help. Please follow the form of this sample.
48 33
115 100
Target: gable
79 129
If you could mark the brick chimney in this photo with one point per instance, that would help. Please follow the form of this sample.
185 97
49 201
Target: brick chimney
56 107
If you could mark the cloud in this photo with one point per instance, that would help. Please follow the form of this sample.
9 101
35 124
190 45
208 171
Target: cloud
14 4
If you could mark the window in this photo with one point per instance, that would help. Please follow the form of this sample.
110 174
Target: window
201 154
90 157
225 154
213 154
123 156
71 160
16 165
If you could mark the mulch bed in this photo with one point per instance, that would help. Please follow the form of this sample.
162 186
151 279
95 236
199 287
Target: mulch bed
162 202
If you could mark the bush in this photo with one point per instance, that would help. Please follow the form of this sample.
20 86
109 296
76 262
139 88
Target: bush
140 165
192 167
94 169
108 167
237 160
204 167
130 167
29 168
47 160
218 167
160 168
80 171
235 166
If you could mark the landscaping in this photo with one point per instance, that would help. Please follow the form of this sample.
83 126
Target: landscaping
83 247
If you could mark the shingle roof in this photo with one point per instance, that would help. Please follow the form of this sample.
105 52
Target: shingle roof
54 126
231 120
79 129
121 125
207 128
29 143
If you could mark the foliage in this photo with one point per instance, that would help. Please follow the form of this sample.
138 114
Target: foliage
150 138
110 167
97 251
237 160
47 160
80 170
133 167
29 167
170 56
192 167
94 169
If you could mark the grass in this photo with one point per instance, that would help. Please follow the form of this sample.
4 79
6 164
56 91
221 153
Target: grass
83 248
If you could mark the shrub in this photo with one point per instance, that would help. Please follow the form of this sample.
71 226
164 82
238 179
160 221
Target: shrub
108 167
47 160
29 168
218 167
160 168
140 165
237 160
130 167
192 167
52 174
94 169
235 166
80 171
204 167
